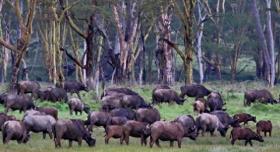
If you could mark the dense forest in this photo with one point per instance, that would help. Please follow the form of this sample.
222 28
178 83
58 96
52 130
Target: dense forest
139 41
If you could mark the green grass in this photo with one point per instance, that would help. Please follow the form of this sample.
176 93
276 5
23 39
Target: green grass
232 94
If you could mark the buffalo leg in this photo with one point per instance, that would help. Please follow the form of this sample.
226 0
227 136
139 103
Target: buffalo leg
8 138
126 138
107 139
179 141
76 113
80 141
171 143
44 135
250 142
50 133
70 143
265 133
121 139
246 142
157 143
151 141
269 133
232 141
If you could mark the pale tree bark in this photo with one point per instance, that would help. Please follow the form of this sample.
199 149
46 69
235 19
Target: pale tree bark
127 22
270 42
267 59
164 51
88 36
186 16
25 26
198 39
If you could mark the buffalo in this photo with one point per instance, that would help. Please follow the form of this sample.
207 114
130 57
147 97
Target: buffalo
76 105
115 131
118 120
194 90
111 102
117 91
49 111
262 95
18 102
53 94
133 102
148 115
98 119
14 130
4 117
39 122
189 126
166 95
124 112
73 86
136 129
166 131
226 119
72 130
209 122
244 117
28 87
215 101
200 105
264 126
244 134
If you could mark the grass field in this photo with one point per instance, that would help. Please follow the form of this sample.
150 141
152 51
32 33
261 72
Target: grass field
232 94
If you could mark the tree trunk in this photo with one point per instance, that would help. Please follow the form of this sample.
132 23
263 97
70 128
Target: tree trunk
270 43
262 42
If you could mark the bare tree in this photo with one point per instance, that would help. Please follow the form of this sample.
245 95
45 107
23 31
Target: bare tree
25 26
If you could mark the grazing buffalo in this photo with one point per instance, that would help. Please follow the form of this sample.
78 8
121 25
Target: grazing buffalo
111 102
117 91
18 102
98 119
123 112
189 126
39 122
71 130
118 120
262 95
166 95
226 119
209 122
244 117
52 94
76 105
74 86
148 115
48 111
133 102
28 87
200 105
14 130
4 117
136 129
58 94
194 90
264 126
244 134
166 131
215 101
115 131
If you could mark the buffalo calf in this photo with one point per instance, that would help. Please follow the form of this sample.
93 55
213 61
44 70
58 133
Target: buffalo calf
14 130
115 131
244 134
264 126
244 117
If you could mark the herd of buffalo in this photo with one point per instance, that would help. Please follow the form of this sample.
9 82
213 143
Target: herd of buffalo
124 114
